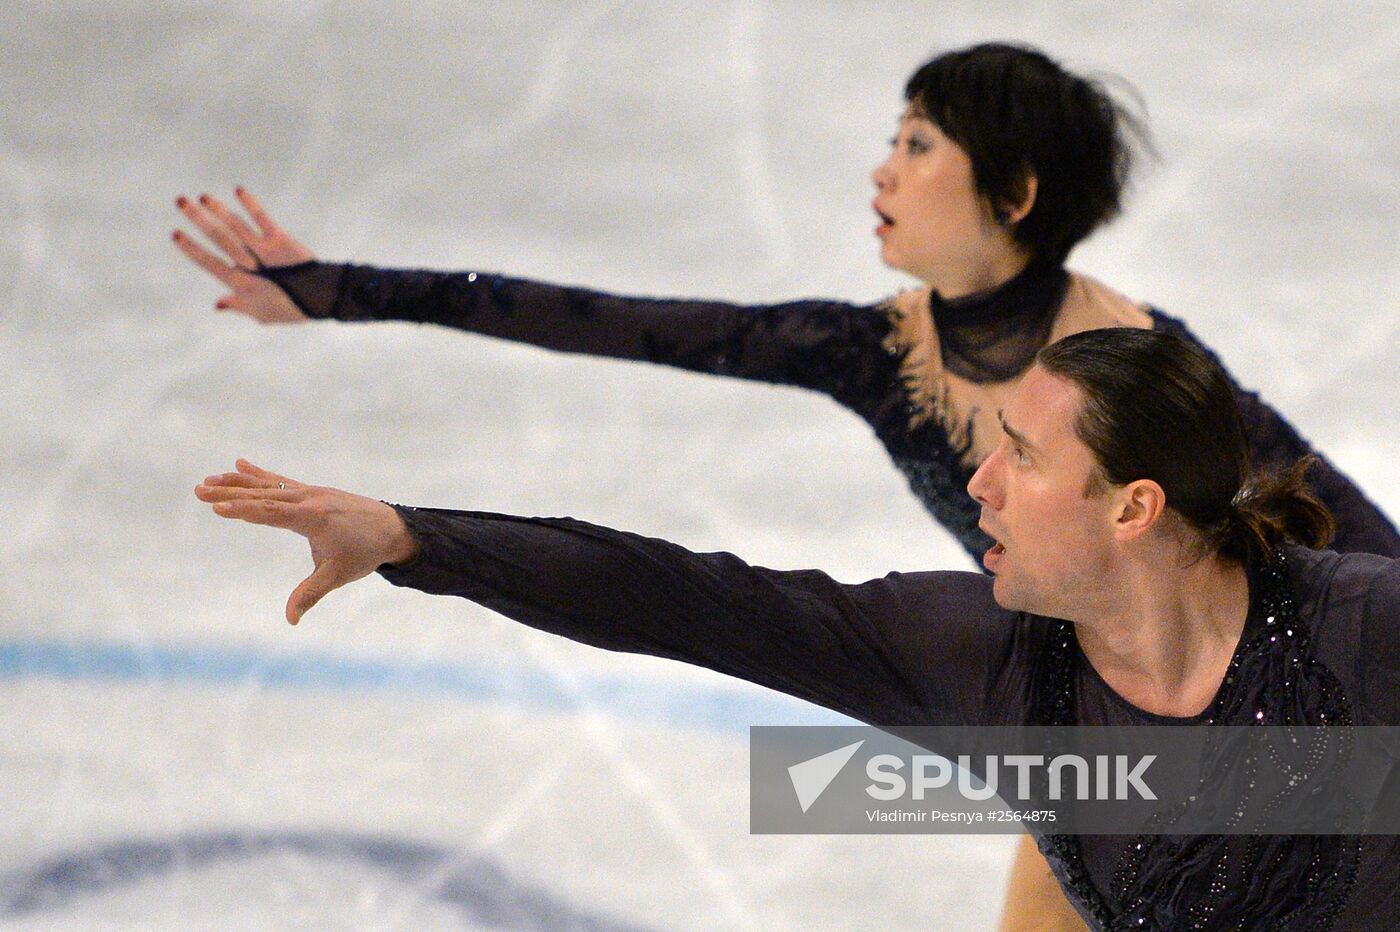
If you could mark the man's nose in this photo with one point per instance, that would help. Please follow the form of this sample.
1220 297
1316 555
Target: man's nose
983 485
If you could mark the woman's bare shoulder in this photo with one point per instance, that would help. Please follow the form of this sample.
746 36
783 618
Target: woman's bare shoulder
1091 305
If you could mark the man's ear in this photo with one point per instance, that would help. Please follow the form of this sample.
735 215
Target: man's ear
1140 507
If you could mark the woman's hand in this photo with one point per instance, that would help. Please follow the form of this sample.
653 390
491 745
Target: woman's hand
351 536
245 250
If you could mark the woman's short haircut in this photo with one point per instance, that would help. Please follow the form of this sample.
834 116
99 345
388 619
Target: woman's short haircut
1017 113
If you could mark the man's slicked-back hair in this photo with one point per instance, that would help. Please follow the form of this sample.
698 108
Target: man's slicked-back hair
1161 408
1017 113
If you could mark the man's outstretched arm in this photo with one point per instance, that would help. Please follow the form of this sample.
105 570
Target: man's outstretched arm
880 651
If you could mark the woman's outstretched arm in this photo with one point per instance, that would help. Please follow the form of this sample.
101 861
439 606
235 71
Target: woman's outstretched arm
273 278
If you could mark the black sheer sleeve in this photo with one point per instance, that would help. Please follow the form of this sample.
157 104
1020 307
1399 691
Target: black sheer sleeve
922 648
813 344
1361 526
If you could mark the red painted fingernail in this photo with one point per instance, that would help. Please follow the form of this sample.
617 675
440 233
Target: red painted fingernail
204 199
238 190
181 201
175 236
220 305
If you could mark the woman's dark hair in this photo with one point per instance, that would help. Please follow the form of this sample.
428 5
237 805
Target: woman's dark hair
1017 113
1159 407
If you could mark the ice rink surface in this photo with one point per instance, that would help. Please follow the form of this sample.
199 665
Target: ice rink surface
173 756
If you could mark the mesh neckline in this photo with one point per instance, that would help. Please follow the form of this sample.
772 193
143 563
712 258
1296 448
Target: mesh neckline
993 336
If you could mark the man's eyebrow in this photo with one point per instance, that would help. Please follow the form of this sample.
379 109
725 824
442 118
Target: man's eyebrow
1015 434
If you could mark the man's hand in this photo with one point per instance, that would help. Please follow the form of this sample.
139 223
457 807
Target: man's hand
246 248
351 536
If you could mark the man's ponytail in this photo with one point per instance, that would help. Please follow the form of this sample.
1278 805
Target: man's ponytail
1159 407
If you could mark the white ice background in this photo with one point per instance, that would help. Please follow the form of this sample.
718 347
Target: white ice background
172 755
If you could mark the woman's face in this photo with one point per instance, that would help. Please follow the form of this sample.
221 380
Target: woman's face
933 223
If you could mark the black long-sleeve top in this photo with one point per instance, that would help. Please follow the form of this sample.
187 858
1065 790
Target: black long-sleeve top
935 649
828 346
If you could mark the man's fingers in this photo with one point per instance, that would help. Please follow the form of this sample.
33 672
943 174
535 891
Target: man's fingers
256 211
248 480
257 472
263 510
323 579
237 479
231 493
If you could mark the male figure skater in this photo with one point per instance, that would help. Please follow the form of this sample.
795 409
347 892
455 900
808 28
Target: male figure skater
1141 576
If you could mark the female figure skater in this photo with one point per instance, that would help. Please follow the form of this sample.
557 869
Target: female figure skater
1002 163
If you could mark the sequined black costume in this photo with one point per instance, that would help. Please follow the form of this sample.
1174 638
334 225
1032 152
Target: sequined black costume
829 346
1321 644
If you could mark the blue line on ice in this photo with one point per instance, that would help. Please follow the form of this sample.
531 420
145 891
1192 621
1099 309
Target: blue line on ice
636 698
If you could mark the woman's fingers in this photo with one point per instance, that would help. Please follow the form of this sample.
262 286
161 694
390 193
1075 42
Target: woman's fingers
228 218
218 232
251 247
255 210
205 259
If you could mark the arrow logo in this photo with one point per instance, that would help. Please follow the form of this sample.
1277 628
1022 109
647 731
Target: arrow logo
811 777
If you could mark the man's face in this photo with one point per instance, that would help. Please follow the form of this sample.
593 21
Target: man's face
1054 545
